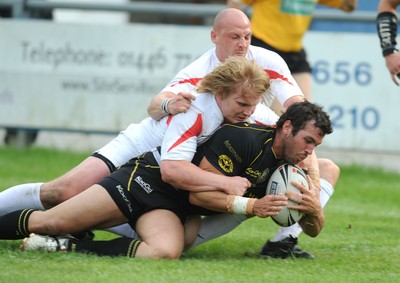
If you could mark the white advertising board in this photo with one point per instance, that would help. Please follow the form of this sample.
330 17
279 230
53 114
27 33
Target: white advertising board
88 77
100 78
352 83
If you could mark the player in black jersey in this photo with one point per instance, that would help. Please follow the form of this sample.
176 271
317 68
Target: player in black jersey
137 194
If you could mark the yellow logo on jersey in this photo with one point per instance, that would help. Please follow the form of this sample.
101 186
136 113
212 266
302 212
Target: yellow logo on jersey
260 176
225 163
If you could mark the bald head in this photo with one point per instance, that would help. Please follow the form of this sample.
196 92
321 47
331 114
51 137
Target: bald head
230 17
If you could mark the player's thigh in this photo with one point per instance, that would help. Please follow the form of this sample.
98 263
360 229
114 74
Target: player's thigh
93 208
328 170
162 233
87 173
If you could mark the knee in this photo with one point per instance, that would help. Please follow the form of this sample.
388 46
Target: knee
165 253
48 197
52 195
329 170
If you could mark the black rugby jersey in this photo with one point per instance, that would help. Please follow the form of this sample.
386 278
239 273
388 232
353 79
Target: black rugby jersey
244 150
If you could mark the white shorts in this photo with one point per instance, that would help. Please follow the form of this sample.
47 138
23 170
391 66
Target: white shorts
133 141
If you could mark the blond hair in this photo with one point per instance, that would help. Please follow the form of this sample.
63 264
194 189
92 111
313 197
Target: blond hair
233 75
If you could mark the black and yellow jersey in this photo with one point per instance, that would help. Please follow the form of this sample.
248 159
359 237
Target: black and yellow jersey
244 150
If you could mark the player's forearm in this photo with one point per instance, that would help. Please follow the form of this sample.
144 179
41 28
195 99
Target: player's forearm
221 202
312 224
386 22
388 6
312 167
293 99
215 201
187 176
155 108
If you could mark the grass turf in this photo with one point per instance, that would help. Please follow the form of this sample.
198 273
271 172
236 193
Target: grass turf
360 241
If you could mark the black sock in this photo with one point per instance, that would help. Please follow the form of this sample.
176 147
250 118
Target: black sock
117 247
14 225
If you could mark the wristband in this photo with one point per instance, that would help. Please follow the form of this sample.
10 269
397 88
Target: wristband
387 31
240 205
164 106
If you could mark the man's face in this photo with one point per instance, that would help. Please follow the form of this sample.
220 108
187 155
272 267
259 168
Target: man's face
297 148
232 41
237 107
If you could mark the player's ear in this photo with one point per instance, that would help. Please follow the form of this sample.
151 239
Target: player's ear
287 127
213 36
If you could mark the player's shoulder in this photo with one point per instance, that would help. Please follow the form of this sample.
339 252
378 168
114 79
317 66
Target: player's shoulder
264 56
246 137
246 130
201 64
205 104
263 114
203 99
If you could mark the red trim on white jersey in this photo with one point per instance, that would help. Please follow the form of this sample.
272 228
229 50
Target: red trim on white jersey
194 131
275 76
283 86
169 119
193 81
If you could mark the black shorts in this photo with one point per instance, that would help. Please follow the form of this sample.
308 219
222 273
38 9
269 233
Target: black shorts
296 61
109 164
137 188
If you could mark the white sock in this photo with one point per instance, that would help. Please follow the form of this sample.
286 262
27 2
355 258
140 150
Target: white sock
295 230
124 230
20 197
217 225
326 191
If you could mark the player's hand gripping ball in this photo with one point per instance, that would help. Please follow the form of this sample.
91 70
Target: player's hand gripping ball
280 183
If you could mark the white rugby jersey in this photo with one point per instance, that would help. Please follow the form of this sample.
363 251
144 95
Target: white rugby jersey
283 86
186 131
148 134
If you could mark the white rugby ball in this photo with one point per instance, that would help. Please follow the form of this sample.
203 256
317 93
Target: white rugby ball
280 183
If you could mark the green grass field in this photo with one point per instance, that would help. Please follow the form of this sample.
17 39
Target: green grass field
360 241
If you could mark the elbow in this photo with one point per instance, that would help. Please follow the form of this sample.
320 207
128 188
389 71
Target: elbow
153 113
150 107
193 199
168 172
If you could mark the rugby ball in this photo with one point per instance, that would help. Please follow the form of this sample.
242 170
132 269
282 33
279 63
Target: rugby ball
280 183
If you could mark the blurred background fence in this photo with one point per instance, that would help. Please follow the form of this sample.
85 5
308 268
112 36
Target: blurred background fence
91 67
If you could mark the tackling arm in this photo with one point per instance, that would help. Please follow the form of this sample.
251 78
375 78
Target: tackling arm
223 202
154 109
166 103
187 176
293 99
